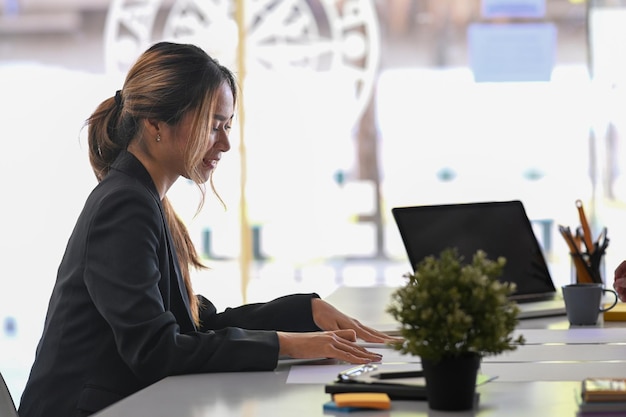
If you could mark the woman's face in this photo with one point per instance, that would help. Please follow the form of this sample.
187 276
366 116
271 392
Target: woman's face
218 144
222 121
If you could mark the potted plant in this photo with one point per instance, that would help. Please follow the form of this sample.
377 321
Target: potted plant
452 315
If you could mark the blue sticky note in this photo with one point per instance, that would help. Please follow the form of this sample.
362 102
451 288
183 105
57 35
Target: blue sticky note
331 406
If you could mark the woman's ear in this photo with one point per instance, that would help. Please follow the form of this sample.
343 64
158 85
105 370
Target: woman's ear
151 126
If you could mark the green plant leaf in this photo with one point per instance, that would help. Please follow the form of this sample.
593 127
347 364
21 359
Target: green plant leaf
448 307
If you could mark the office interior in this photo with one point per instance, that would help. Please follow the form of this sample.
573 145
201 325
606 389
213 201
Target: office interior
349 108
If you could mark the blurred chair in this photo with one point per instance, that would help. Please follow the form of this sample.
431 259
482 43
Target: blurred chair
7 406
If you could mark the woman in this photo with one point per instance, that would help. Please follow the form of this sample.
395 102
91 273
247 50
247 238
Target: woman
122 314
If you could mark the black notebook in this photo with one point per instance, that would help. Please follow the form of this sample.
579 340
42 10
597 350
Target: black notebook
395 391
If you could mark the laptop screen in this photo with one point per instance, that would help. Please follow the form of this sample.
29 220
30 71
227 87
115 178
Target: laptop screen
498 228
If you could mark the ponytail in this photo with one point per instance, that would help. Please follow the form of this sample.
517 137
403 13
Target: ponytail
102 148
111 128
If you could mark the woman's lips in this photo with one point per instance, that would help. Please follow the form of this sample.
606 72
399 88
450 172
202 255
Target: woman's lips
210 163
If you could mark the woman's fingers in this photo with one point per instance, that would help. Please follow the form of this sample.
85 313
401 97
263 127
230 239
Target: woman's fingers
329 318
371 335
339 344
348 350
347 334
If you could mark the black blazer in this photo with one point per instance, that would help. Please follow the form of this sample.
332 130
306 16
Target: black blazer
118 318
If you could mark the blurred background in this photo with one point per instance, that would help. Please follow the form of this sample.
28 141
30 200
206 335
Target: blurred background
349 108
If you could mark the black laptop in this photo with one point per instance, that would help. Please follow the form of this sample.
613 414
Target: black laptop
500 228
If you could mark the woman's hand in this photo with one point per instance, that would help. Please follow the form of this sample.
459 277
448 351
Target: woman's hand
620 281
339 344
327 317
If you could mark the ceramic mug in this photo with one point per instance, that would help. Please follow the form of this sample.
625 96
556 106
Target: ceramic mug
583 302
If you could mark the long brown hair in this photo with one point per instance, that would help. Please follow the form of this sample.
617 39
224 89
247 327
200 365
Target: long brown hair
168 80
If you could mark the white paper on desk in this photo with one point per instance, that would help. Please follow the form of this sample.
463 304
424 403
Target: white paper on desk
325 374
561 352
552 371
584 335
314 374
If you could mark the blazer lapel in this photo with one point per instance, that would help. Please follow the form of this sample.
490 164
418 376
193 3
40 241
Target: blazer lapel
178 276
128 163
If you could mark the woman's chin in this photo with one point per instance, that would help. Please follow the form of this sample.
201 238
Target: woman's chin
206 171
203 172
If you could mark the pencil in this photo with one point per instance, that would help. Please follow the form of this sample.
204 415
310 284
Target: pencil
584 223
582 271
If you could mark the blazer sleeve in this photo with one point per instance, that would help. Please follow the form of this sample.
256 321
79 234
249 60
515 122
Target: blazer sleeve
289 313
121 272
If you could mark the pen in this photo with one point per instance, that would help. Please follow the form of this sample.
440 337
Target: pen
582 270
352 373
602 242
400 374
578 239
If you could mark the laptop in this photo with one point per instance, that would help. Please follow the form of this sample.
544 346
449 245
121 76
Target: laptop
500 228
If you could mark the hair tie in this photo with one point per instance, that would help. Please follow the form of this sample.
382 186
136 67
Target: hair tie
118 98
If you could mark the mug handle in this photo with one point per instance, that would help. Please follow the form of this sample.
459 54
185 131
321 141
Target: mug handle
604 291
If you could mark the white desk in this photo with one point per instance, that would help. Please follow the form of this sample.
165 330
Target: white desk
532 381
368 305
265 394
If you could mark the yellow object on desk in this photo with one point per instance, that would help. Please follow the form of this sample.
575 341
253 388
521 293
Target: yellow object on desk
377 400
617 313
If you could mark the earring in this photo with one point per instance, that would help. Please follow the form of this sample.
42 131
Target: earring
158 138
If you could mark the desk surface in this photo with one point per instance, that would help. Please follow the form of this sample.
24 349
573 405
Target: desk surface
359 301
264 394
541 378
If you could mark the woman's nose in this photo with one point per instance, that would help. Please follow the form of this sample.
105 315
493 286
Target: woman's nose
223 143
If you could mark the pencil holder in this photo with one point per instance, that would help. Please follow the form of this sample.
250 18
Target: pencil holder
587 269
